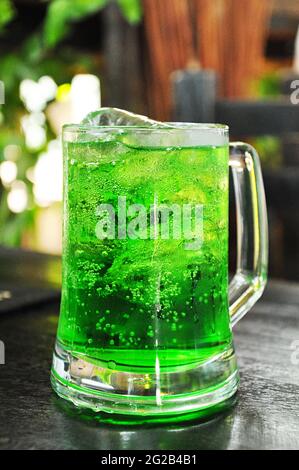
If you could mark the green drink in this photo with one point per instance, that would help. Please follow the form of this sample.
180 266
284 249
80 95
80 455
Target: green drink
120 294
144 308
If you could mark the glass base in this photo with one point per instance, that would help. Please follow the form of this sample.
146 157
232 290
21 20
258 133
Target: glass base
106 390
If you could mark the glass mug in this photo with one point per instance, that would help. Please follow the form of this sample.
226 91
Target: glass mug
147 310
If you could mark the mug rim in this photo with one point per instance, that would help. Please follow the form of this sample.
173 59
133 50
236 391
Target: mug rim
170 127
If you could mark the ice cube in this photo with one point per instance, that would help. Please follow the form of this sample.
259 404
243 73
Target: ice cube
170 134
119 117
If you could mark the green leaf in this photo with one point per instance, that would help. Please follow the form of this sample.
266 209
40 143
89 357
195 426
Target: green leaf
62 12
131 10
32 48
7 12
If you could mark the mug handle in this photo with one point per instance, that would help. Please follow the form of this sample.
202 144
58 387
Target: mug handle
250 279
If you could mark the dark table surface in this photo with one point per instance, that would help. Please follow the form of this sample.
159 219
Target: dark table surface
266 415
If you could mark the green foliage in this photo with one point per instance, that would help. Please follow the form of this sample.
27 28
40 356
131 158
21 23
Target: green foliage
131 10
14 227
269 86
269 149
31 60
61 13
7 12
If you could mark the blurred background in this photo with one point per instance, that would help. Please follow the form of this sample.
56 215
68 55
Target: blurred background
233 61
